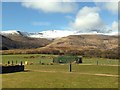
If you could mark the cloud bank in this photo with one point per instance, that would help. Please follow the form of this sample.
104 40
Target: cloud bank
52 7
110 6
88 19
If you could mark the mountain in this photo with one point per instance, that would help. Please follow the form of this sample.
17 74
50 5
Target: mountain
10 32
6 43
49 34
85 41
53 34
85 45
82 44
15 40
63 39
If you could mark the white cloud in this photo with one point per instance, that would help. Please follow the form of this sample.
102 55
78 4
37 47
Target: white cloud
110 6
113 29
61 7
88 19
115 26
105 0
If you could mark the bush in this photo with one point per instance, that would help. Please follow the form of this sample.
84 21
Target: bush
65 59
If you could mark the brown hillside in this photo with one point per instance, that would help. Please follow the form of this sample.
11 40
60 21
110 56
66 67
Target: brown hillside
84 42
20 42
85 45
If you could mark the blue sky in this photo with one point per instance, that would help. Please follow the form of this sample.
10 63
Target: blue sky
35 18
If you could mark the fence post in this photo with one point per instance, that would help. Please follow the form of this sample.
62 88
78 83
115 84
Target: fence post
21 63
70 67
8 62
12 63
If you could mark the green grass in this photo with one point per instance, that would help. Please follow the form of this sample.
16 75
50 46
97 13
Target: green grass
101 61
58 75
27 57
76 68
57 80
49 58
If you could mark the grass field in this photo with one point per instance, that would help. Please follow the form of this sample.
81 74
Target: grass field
85 75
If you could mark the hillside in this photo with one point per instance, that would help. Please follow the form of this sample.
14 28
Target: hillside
84 45
17 41
6 43
79 42
48 34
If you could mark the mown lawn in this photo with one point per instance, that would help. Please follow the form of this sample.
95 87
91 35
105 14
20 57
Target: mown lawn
58 75
36 79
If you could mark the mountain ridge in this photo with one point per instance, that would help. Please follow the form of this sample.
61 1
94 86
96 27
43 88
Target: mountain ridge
85 45
22 42
52 34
